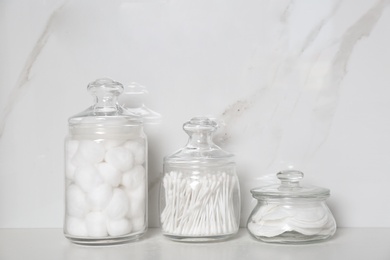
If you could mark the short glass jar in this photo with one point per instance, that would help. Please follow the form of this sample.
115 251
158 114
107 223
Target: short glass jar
199 194
106 171
290 213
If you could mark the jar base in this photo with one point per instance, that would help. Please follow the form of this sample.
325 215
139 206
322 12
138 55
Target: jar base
293 237
104 241
199 239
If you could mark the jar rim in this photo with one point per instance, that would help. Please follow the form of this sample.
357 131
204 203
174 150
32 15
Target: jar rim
309 192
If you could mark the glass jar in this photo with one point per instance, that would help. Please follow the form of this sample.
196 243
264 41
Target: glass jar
199 194
106 171
291 213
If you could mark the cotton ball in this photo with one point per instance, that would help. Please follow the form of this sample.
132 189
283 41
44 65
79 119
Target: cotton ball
137 199
109 174
96 224
69 170
71 147
137 148
110 143
119 204
90 151
118 227
76 226
120 158
70 150
76 202
138 224
87 177
134 177
99 196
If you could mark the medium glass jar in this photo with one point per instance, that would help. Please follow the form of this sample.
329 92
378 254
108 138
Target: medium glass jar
291 213
106 172
200 194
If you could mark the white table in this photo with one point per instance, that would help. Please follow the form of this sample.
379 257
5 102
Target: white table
50 244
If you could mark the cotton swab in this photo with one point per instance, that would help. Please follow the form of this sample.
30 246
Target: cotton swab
199 207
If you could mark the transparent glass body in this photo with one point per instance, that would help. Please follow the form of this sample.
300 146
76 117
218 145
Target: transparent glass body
106 172
199 194
290 213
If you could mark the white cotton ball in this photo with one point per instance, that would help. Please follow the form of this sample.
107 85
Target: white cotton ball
99 196
134 177
137 199
96 224
69 170
70 150
120 158
119 204
110 174
71 147
76 202
137 148
78 160
75 226
90 151
118 227
138 224
110 143
87 177
138 193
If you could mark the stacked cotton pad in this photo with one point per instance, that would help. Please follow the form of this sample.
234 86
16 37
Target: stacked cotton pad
199 207
106 187
274 219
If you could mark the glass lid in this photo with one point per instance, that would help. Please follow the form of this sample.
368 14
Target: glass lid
133 100
105 110
290 188
200 147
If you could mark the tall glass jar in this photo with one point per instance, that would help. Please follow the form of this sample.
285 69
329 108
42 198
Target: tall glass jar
290 212
199 194
106 171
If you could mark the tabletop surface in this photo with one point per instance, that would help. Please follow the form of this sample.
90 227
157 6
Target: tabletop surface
42 244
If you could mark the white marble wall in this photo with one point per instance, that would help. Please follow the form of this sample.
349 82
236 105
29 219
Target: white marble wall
301 84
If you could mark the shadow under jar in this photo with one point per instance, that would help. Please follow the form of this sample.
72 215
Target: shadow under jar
199 194
106 172
290 213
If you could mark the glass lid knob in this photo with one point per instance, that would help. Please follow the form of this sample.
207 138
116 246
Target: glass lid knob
289 178
106 92
200 124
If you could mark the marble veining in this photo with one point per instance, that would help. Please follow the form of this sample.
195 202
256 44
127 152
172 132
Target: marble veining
24 75
310 39
328 97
